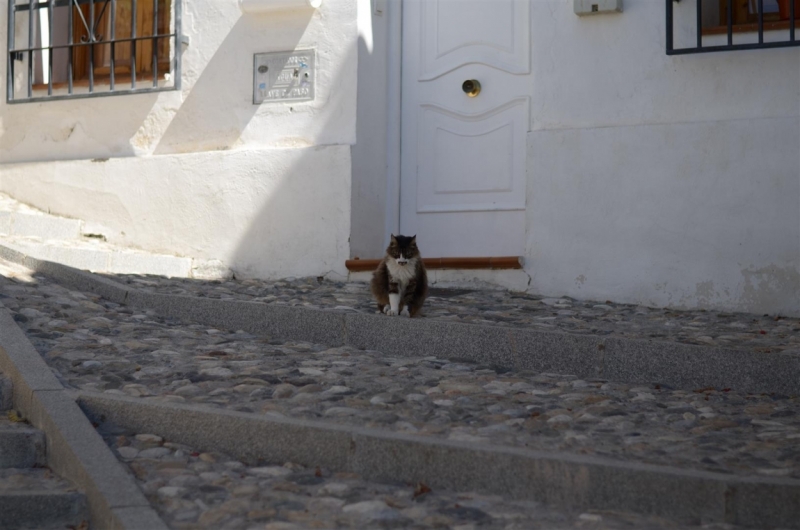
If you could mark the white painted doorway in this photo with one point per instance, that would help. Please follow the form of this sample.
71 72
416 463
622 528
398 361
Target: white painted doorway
463 159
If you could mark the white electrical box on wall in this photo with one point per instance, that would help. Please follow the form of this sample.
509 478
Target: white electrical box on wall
596 7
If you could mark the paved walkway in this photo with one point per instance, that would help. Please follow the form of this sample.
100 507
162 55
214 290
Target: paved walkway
96 345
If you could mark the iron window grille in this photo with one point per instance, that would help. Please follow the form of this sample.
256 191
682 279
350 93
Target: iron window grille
92 48
747 20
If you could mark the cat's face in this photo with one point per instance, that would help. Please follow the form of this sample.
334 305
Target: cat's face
403 249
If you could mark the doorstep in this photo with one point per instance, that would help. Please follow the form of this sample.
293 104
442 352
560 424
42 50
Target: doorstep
470 263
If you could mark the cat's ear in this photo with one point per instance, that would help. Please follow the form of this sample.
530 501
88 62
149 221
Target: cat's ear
414 238
394 239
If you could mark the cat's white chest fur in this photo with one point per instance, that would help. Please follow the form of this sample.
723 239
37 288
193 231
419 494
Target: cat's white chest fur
402 274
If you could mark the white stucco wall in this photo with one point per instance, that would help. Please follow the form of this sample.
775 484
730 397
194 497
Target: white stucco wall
373 118
203 172
665 181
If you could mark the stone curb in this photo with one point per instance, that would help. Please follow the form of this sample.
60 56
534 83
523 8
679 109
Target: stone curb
21 447
44 226
42 508
115 260
571 482
587 356
74 449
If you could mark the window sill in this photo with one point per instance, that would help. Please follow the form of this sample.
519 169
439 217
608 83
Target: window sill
121 81
749 28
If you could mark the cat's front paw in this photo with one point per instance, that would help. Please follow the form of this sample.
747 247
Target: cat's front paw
389 311
405 313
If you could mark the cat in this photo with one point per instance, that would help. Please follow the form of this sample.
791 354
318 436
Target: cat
400 283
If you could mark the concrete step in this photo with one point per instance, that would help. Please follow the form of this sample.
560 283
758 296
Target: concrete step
17 219
20 445
98 256
36 498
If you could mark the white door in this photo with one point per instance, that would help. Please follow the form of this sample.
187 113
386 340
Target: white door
463 160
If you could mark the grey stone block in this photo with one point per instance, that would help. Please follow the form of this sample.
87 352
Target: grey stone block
42 509
132 519
81 258
81 280
278 321
764 504
20 361
6 389
565 481
69 276
21 447
406 337
313 325
248 437
5 223
124 262
688 366
571 482
691 497
542 351
453 466
44 226
77 452
74 449
13 255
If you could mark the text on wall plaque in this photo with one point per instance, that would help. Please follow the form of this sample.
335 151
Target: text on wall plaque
283 76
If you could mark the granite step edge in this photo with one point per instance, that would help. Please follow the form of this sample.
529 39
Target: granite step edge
75 450
43 508
22 446
562 480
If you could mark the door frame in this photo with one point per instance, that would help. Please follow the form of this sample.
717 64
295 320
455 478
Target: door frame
394 51
394 142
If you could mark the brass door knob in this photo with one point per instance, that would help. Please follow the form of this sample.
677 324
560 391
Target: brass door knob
471 87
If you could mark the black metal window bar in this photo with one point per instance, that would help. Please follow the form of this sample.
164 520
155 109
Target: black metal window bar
700 48
93 38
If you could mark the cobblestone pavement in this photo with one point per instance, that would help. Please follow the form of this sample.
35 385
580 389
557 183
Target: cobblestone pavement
96 345
764 334
193 490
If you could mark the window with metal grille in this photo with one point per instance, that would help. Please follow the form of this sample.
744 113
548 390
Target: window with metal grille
64 49
697 26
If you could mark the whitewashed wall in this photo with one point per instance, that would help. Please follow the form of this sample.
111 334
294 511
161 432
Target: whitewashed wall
666 181
370 151
204 172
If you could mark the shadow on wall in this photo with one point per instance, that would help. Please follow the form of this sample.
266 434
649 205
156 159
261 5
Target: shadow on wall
71 130
369 195
219 104
302 225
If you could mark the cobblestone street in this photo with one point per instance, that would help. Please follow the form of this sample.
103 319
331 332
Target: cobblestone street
99 346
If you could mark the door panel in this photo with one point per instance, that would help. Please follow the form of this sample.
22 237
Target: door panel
472 162
459 32
463 159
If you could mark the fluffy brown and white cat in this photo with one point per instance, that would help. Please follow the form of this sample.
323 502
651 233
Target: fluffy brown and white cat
400 283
